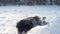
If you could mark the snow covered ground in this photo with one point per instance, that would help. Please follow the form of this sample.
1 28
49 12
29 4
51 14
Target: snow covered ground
10 15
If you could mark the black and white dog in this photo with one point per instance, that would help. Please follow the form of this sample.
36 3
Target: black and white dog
26 24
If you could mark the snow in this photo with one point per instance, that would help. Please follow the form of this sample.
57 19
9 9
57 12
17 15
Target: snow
39 30
55 28
10 15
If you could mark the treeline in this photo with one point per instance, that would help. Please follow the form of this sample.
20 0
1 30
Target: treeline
29 2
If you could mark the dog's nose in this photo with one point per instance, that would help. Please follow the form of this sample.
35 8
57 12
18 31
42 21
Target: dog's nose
44 23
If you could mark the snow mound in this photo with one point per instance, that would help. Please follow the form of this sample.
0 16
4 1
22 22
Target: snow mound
39 30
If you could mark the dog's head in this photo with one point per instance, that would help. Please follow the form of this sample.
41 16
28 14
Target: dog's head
44 22
39 21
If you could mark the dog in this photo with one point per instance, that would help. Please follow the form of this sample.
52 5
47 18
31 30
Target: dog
26 24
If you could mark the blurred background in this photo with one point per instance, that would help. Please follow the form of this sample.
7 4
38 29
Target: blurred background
29 2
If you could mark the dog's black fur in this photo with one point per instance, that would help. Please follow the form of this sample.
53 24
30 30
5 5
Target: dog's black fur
24 25
28 23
